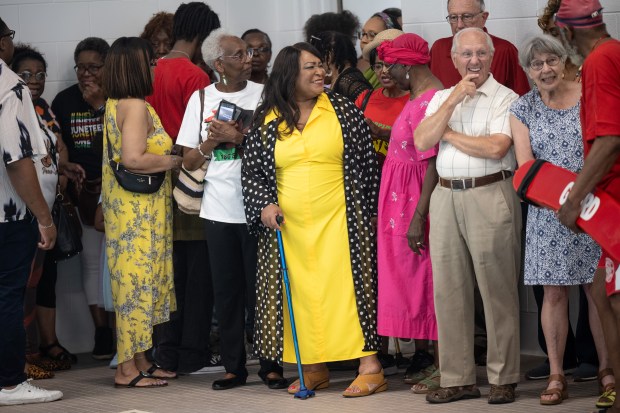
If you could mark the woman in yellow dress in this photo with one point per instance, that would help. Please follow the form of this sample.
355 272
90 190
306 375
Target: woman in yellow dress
138 226
311 160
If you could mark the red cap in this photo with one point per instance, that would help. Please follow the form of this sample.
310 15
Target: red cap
580 14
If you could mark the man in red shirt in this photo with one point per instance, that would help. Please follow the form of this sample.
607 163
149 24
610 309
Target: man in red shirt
176 76
582 27
505 67
183 342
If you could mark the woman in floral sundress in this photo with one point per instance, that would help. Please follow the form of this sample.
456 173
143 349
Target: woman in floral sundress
138 226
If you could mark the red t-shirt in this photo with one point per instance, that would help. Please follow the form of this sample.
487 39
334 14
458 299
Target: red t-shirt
600 100
504 67
175 81
383 111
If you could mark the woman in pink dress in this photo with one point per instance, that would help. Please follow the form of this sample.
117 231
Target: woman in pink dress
405 303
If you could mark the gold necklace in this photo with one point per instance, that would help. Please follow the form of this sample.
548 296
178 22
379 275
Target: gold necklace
182 52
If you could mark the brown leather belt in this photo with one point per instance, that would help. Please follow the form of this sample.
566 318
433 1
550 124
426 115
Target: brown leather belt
467 183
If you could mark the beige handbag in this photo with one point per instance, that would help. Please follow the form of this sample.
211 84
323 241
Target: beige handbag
189 187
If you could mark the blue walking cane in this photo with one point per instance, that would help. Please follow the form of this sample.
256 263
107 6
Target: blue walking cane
303 392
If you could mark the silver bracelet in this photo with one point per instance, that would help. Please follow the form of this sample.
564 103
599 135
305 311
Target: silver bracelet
207 157
46 226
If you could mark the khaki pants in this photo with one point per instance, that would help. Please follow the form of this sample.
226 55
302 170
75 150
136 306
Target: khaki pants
475 235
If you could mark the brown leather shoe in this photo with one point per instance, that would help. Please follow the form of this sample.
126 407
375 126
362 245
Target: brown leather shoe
501 394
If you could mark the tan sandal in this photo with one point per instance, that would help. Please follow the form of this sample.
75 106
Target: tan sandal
561 393
314 380
367 384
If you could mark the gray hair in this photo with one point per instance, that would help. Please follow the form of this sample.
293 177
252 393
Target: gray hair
457 37
212 46
542 43
481 2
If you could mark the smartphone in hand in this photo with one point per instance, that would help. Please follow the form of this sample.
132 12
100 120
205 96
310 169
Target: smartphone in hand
226 111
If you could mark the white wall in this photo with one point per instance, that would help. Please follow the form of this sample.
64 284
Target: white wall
55 27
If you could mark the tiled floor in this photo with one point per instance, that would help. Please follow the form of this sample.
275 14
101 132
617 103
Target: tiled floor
89 389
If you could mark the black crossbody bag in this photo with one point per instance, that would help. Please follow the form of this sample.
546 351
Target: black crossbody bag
132 181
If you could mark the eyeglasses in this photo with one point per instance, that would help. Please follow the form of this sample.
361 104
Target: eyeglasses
537 65
466 18
381 66
92 69
388 69
10 33
241 57
27 76
369 35
481 54
259 50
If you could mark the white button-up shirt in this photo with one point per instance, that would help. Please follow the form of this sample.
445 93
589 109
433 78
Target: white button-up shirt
487 113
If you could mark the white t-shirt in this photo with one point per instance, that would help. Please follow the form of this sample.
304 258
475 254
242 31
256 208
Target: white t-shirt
223 199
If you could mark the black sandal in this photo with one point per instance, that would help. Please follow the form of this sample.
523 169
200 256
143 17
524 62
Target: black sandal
133 383
156 366
64 355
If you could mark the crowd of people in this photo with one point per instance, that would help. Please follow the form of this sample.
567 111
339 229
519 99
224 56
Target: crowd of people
388 175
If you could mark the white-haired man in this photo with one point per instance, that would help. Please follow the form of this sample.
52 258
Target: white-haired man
475 233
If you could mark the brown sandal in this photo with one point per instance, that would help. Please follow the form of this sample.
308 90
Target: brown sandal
452 394
314 380
367 384
608 391
562 393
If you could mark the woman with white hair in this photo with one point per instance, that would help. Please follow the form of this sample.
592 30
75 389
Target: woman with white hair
545 125
232 249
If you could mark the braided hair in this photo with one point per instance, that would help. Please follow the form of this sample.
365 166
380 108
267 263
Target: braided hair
194 20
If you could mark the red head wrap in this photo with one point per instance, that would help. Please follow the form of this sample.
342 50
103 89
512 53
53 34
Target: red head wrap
407 49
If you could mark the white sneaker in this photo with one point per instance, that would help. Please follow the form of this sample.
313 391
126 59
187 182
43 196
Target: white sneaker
25 393
214 366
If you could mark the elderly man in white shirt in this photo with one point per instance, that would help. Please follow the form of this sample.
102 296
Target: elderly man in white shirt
475 229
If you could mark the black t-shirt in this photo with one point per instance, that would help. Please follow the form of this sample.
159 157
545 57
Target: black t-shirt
82 131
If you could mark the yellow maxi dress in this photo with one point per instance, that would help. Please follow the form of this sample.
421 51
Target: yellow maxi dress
138 244
309 173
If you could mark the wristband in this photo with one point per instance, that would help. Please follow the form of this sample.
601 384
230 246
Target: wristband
207 157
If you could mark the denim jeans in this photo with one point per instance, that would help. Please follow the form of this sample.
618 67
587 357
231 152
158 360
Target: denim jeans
18 243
